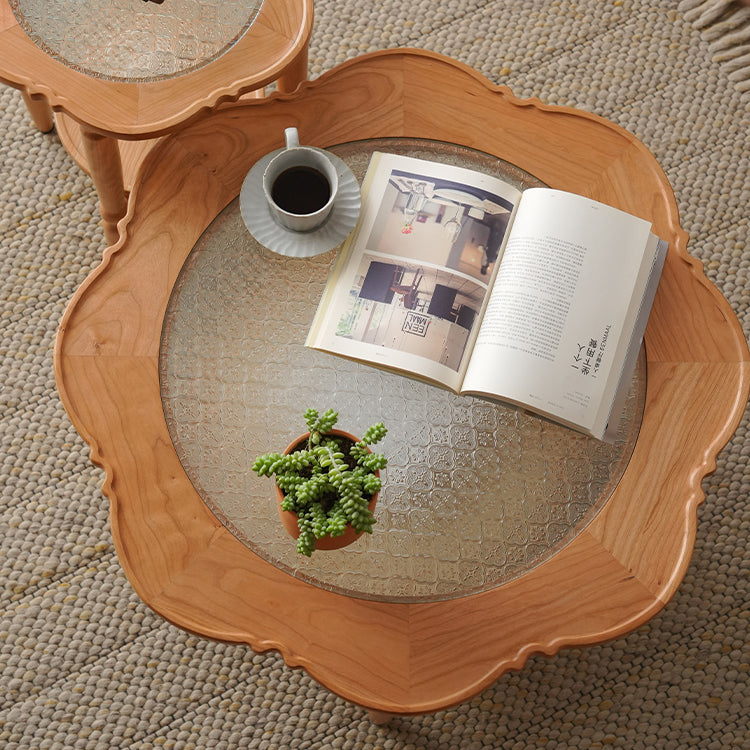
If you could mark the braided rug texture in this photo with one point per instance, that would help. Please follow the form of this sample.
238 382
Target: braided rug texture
85 664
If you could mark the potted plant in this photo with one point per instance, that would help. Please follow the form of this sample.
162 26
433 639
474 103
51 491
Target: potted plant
327 482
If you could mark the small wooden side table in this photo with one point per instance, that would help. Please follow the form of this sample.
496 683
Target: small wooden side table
388 654
109 115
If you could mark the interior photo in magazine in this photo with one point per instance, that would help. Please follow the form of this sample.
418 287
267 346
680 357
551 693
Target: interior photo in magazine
434 245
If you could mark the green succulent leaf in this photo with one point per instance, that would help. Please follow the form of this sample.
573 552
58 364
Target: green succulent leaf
327 483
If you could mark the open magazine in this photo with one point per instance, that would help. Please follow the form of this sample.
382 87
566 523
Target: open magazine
539 299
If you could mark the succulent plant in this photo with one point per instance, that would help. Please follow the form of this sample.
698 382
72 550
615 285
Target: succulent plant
328 480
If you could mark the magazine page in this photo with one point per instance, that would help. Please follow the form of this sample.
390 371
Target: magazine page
563 307
409 286
609 418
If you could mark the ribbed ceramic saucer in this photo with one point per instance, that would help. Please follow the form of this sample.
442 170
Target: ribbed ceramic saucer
270 234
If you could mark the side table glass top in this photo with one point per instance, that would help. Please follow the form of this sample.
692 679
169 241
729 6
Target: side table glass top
132 40
475 493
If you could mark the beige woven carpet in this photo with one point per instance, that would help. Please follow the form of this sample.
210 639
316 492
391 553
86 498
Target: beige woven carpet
84 664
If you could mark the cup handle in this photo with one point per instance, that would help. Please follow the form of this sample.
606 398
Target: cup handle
292 137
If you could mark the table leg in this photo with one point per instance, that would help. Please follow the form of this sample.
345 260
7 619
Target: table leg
105 167
40 111
379 717
255 94
294 73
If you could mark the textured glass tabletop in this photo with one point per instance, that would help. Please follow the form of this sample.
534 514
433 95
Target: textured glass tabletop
475 493
133 40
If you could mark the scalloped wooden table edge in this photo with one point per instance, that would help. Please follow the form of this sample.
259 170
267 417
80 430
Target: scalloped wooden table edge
396 657
148 109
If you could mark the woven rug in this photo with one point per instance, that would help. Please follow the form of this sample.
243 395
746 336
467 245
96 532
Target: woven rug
85 664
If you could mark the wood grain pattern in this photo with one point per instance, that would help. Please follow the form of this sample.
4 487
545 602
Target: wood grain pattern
40 111
132 153
273 49
396 657
277 38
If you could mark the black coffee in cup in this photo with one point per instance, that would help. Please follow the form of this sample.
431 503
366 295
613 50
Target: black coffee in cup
301 190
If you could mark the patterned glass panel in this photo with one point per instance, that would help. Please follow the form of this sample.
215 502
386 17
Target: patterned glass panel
475 493
132 40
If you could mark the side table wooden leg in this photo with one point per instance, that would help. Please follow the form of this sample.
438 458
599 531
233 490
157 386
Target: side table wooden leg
379 717
294 73
40 111
105 167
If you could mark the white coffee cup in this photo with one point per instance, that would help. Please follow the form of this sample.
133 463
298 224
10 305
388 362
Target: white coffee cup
300 184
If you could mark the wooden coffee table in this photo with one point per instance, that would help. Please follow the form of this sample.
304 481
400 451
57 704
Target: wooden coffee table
390 653
109 111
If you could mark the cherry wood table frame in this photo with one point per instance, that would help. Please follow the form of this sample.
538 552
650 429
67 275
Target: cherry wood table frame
109 126
396 657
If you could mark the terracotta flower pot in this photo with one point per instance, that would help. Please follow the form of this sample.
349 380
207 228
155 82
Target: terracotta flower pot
289 518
